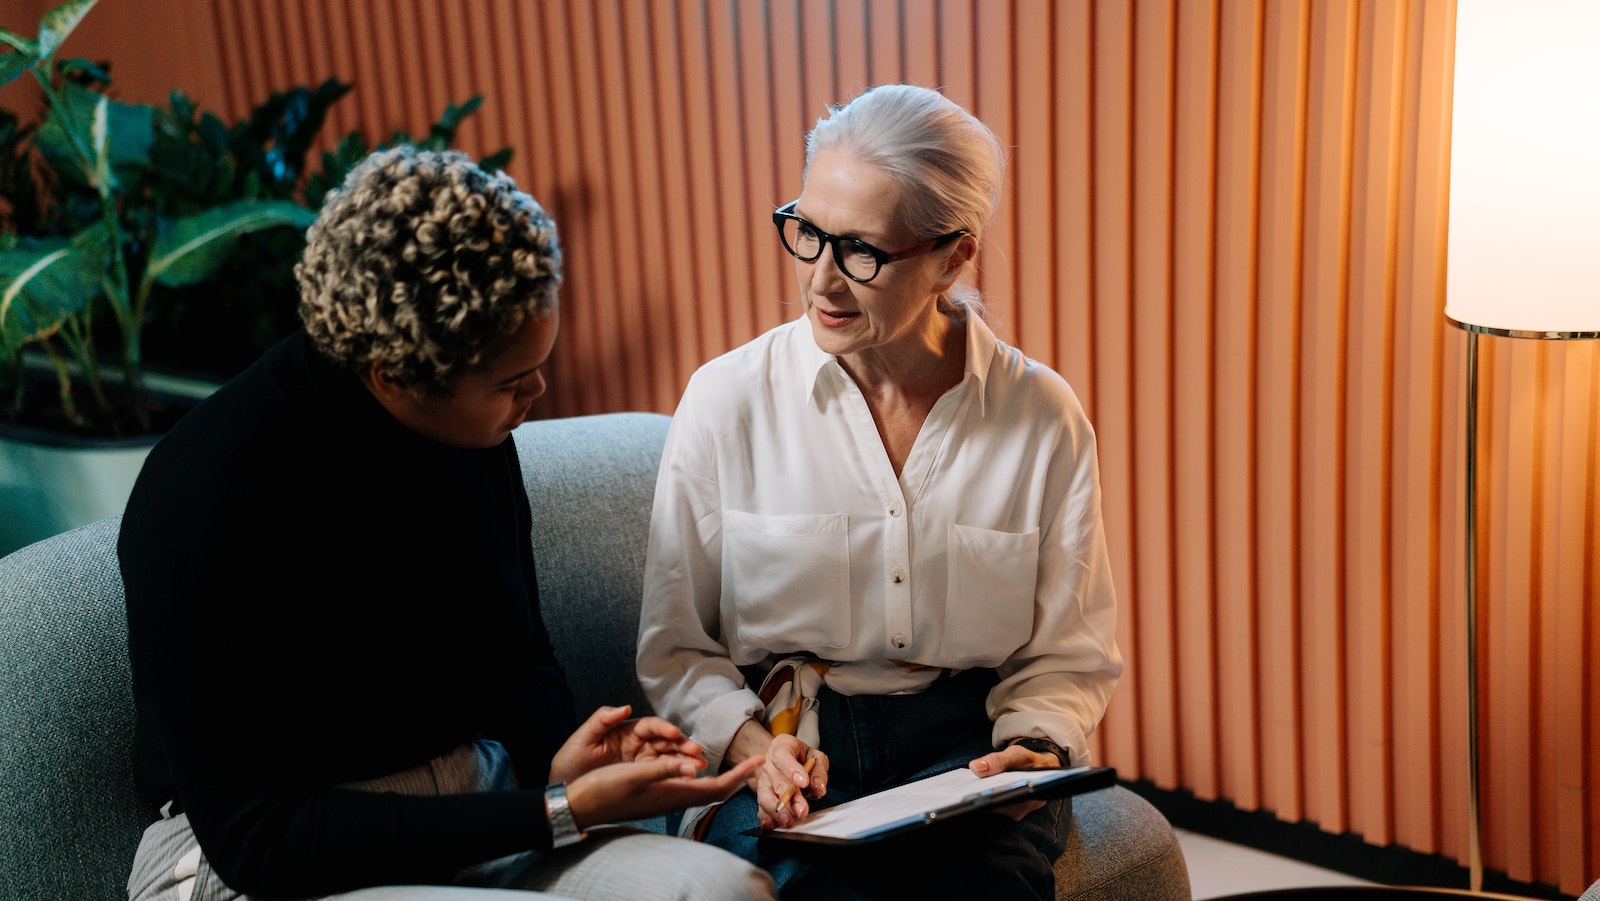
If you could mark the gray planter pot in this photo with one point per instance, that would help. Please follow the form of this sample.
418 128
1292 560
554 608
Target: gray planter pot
51 483
47 488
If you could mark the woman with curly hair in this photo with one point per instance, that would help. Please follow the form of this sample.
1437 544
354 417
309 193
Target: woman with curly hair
340 673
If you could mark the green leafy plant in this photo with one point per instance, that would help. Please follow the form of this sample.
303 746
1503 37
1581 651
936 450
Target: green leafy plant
135 236
107 240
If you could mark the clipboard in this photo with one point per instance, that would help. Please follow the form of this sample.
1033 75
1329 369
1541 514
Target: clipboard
935 799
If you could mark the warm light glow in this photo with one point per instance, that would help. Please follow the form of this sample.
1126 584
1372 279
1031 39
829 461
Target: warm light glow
1525 166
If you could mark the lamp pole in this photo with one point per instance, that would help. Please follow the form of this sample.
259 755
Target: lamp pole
1474 817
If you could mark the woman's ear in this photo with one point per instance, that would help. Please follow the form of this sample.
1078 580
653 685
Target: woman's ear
966 247
379 383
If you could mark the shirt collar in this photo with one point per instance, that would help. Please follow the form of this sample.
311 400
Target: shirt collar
814 361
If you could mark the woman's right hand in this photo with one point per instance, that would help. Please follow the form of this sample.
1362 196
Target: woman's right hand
785 772
650 787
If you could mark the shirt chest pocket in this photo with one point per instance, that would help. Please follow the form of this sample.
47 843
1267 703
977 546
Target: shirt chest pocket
786 580
989 605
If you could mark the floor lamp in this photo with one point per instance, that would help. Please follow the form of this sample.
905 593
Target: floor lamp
1524 251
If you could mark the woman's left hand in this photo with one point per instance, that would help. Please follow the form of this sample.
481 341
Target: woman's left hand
608 737
1015 757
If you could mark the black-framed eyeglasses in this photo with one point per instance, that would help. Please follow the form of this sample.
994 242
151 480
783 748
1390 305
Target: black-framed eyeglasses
858 260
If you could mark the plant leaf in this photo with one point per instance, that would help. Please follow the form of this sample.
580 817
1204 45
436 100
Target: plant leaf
496 161
12 65
192 248
84 72
42 285
22 45
129 133
59 22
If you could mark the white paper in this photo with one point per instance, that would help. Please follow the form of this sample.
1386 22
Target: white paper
946 793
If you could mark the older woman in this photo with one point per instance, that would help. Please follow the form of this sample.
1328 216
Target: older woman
876 545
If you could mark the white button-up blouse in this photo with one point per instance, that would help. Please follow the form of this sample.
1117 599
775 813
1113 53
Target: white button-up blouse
780 527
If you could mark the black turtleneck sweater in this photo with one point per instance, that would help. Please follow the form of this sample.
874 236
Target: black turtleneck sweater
317 595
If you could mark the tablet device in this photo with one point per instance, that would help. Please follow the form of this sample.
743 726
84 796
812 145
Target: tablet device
935 799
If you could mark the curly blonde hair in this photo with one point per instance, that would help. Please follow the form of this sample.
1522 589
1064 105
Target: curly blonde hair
425 264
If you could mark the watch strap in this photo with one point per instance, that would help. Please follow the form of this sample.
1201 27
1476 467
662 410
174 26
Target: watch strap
564 829
1045 746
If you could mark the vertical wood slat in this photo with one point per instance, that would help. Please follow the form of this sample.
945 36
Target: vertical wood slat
1034 297
1583 789
848 39
310 28
703 65
772 155
1416 466
579 126
992 92
1232 389
1283 51
1071 229
1514 435
1201 730
1453 781
729 284
456 27
297 52
1368 419
642 190
1561 576
426 24
1224 223
1150 382
327 33
1070 225
1323 639
556 180
616 339
1110 136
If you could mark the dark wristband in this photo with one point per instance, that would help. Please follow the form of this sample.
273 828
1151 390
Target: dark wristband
1044 746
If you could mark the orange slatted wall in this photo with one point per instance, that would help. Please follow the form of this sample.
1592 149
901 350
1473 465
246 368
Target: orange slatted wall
1225 225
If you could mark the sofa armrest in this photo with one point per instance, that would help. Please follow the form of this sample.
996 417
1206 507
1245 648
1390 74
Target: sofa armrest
66 720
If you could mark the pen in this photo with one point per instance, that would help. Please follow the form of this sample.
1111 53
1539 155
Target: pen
783 799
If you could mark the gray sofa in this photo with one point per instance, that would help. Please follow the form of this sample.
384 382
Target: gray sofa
71 821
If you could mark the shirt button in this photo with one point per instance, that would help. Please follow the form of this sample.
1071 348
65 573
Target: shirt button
895 509
897 575
900 640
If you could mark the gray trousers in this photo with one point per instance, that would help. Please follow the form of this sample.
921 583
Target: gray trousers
615 863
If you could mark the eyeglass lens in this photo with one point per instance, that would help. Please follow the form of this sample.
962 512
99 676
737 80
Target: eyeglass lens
853 256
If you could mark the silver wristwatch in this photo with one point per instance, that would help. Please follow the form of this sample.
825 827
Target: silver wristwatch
563 828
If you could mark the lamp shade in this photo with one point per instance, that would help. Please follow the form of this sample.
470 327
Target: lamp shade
1524 254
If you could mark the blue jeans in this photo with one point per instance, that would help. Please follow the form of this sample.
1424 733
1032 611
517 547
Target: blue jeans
875 742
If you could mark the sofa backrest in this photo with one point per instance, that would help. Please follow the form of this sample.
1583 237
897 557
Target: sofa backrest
591 481
71 820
